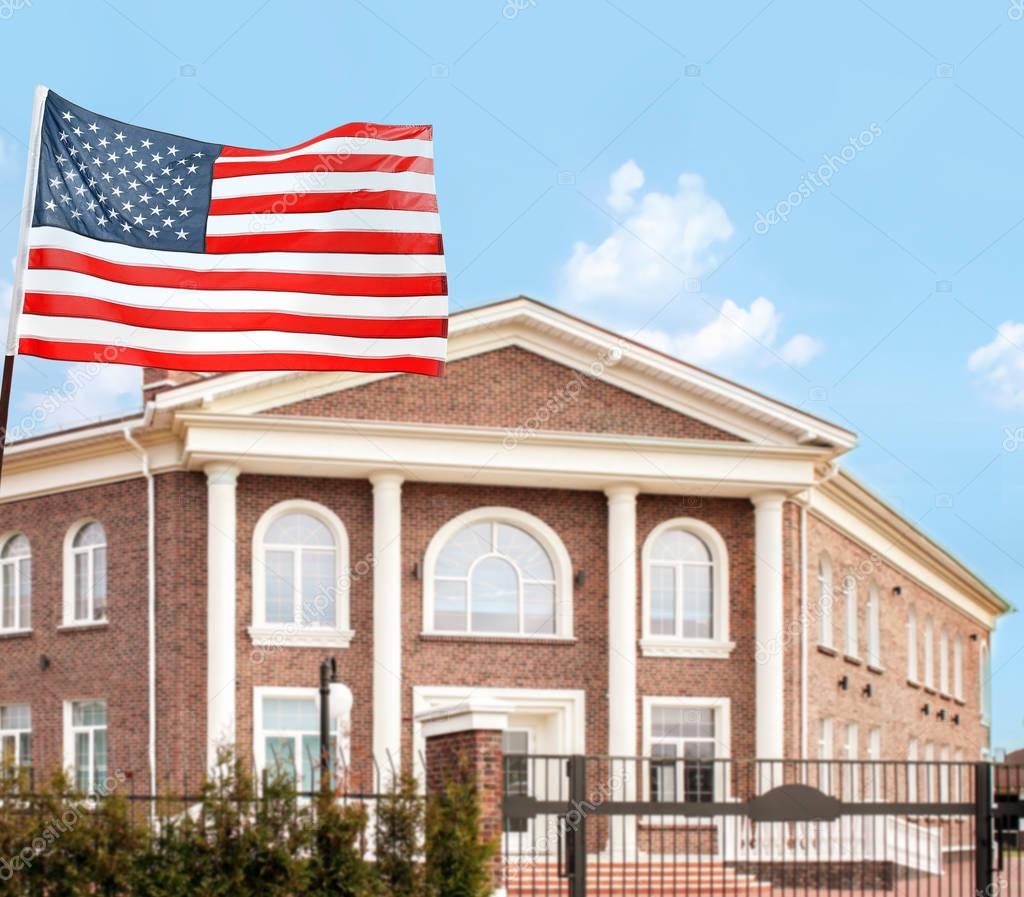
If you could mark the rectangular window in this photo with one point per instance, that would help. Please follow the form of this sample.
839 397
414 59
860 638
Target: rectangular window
825 753
912 645
913 771
15 735
852 616
958 667
944 661
290 739
15 592
682 743
88 721
874 628
929 653
852 770
875 769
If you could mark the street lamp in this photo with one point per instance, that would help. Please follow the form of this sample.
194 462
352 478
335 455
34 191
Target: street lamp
333 704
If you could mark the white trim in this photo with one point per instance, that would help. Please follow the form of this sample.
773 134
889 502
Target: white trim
477 713
719 645
568 704
536 528
68 620
69 736
293 633
722 708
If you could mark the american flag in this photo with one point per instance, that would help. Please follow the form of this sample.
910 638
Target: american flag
151 249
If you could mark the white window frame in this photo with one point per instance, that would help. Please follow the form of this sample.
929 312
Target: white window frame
295 634
20 625
851 608
944 646
852 769
912 660
722 710
342 732
16 734
718 645
69 739
70 552
958 667
929 652
826 602
826 753
533 526
874 621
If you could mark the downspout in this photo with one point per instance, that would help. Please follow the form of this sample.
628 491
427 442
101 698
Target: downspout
150 593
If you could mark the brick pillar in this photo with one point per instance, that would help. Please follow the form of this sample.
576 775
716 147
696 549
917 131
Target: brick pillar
468 736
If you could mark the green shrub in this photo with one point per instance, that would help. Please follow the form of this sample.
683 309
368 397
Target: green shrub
457 861
399 839
336 867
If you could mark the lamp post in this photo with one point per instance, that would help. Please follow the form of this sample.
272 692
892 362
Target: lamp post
328 676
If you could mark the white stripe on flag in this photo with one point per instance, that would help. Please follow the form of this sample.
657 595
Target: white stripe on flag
271 262
327 182
383 220
71 283
349 146
108 333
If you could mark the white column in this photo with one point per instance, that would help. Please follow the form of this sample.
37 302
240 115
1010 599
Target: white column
387 620
221 600
768 603
622 631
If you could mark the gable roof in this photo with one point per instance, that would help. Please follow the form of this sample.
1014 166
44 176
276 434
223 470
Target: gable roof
565 338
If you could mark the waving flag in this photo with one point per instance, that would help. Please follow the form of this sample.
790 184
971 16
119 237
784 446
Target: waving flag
147 248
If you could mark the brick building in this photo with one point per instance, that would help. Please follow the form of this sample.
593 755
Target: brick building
636 555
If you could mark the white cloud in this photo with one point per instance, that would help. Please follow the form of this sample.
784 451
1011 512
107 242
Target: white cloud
1001 364
624 182
734 334
666 239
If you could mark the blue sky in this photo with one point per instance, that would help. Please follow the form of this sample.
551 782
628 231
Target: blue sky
830 198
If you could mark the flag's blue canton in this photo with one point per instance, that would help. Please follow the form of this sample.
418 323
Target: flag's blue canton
121 183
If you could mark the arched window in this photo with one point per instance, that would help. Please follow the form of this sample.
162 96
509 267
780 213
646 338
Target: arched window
958 667
852 647
85 574
498 571
825 601
874 614
300 577
15 585
685 591
912 645
929 653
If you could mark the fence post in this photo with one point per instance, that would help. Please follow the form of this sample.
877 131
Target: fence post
983 865
577 826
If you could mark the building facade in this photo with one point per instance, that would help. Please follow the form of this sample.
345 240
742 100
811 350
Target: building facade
636 556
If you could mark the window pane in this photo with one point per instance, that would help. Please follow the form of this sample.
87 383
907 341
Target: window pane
679 545
99 745
663 600
7 596
667 722
25 748
89 713
15 716
450 605
82 781
280 587
280 752
463 548
525 552
25 591
81 586
90 534
539 610
99 583
291 715
319 588
8 747
495 596
696 602
299 529
15 548
698 723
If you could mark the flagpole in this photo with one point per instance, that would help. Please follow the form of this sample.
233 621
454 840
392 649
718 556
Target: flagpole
21 261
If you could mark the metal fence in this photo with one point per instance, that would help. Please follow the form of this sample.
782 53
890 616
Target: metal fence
578 826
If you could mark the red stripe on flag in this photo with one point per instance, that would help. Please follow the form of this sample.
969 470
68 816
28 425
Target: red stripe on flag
369 242
68 306
322 163
255 361
282 203
177 278
365 130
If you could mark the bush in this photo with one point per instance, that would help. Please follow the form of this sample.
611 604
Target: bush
399 839
336 867
457 861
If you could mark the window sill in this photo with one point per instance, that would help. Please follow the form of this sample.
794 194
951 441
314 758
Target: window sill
507 638
874 668
697 648
913 683
930 690
960 701
296 637
855 661
83 627
828 650
15 633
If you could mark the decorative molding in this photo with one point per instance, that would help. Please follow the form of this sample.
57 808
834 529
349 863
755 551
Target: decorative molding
696 648
281 636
